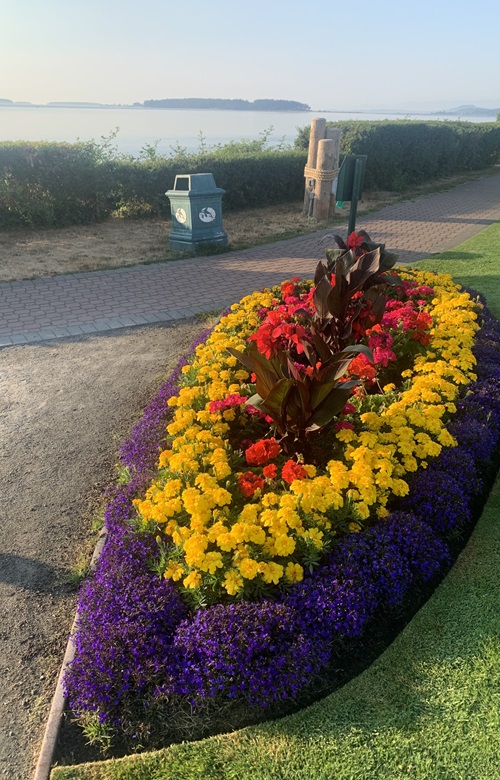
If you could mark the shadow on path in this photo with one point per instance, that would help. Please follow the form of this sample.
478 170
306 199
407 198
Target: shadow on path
30 574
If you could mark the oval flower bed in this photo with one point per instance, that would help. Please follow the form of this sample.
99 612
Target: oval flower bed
304 493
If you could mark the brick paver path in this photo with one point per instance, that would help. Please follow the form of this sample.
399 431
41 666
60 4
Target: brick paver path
74 304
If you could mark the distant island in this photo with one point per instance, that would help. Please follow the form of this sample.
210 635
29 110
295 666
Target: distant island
210 103
227 105
468 111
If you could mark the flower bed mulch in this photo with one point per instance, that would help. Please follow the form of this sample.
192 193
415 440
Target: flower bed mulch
150 670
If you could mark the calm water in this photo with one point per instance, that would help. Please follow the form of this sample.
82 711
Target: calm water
169 127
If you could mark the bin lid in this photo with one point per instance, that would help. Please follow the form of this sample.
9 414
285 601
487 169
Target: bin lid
196 182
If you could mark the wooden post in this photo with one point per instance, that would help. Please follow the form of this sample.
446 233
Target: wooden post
321 170
324 164
318 128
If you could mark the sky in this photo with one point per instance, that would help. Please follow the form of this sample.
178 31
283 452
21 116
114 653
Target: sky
429 54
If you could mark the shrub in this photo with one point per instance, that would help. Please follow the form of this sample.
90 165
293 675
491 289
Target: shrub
55 184
406 153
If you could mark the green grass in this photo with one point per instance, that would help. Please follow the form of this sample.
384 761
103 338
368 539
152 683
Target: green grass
427 709
475 263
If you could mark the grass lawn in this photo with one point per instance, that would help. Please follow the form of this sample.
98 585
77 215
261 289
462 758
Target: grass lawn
428 708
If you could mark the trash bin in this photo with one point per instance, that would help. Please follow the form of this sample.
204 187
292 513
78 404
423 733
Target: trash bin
196 205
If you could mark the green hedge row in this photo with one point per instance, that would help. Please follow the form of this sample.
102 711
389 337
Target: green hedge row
55 184
405 153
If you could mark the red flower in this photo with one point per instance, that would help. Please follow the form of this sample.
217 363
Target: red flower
249 483
354 240
348 409
292 470
362 367
287 288
262 451
344 424
270 471
231 400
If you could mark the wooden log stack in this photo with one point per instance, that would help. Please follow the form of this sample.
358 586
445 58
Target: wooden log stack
321 170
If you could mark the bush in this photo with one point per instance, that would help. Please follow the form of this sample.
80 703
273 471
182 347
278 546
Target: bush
45 184
55 184
405 153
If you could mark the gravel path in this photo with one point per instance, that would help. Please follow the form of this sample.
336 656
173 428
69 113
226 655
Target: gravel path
65 407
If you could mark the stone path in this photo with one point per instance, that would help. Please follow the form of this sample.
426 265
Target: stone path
73 304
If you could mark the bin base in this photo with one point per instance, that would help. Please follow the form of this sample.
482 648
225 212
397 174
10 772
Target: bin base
190 245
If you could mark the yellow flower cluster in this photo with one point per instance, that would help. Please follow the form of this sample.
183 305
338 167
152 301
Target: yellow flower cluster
222 543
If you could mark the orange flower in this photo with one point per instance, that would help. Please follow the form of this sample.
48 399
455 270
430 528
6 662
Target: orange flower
292 470
262 451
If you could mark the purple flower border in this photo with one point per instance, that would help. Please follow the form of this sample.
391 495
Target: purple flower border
136 643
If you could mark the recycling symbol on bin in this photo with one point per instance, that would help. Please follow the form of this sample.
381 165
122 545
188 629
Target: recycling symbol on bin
181 216
207 214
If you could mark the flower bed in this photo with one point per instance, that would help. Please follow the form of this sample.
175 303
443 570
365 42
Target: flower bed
365 524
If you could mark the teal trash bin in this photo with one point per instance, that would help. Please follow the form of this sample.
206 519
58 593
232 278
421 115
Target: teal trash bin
196 205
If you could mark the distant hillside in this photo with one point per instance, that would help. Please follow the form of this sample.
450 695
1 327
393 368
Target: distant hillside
232 105
469 111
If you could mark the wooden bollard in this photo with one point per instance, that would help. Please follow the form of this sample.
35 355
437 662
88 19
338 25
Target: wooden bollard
318 128
324 165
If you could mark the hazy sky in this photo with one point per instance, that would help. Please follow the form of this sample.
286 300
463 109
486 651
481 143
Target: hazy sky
345 55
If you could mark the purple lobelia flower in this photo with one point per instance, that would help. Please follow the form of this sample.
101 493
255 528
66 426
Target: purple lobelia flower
439 500
257 652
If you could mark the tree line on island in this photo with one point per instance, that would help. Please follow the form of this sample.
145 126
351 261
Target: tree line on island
228 104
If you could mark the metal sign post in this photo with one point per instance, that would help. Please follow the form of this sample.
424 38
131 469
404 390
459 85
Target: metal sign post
350 185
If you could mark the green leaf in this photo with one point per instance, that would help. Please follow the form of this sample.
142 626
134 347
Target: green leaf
275 400
331 406
320 273
320 298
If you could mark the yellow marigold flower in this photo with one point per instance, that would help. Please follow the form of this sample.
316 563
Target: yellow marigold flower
226 542
362 510
315 536
272 572
248 568
174 571
294 572
192 581
233 582
400 487
211 562
446 439
270 499
284 545
345 435
338 474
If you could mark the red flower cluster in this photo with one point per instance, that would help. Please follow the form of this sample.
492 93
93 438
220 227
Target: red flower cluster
292 470
408 318
362 368
277 331
249 483
380 343
354 240
262 451
231 400
270 471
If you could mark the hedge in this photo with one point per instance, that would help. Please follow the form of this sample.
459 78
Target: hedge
405 153
59 184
